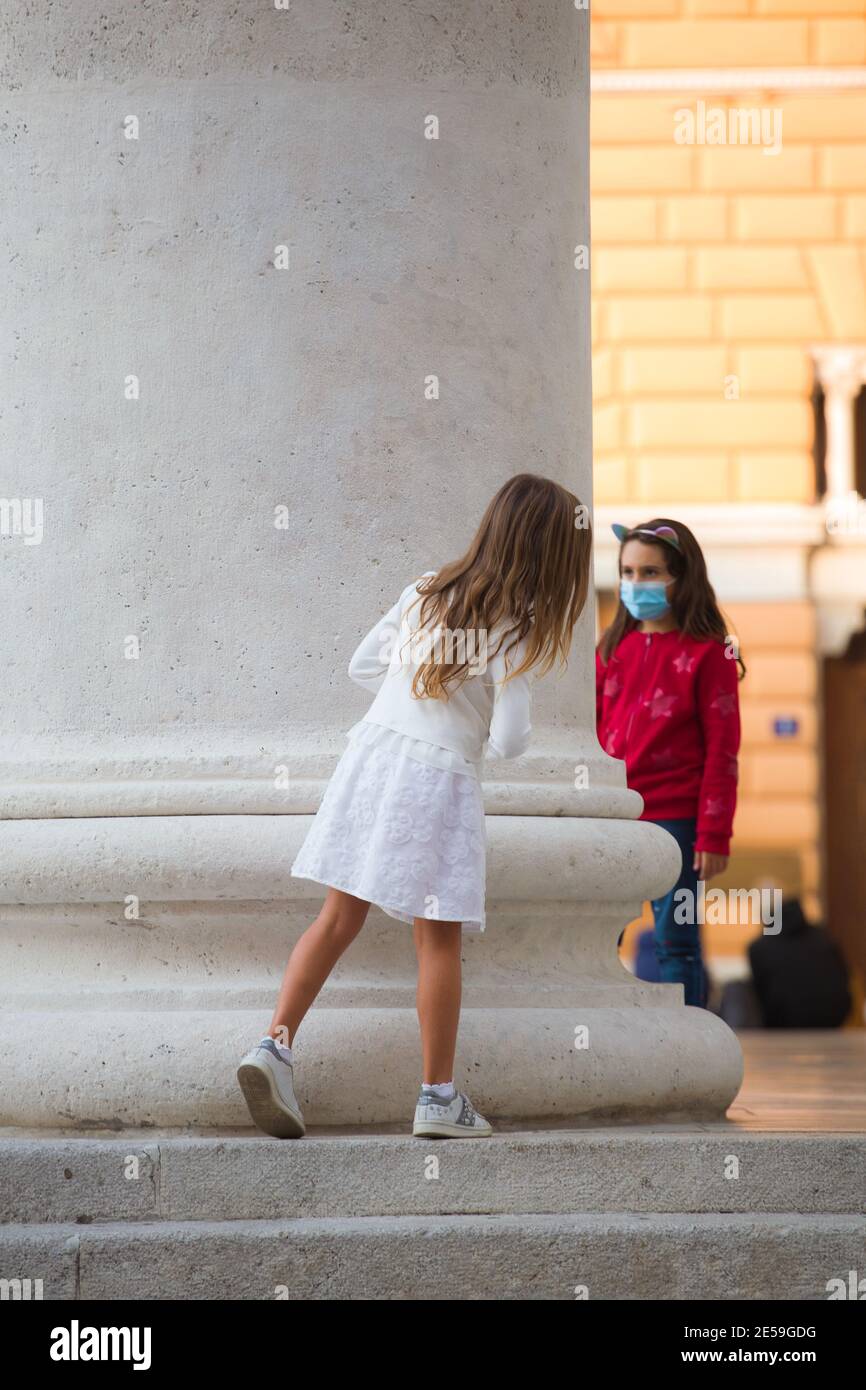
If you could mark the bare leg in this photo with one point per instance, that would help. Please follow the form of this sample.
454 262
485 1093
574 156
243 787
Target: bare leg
438 997
313 958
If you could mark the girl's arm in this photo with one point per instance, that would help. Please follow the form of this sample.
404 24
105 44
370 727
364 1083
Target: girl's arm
510 725
372 657
718 703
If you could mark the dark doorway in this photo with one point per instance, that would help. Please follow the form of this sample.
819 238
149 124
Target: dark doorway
844 737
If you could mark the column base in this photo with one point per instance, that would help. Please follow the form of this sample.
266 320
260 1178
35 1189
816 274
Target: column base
128 1022
363 1066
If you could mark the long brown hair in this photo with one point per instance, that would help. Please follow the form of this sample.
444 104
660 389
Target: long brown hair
693 601
526 571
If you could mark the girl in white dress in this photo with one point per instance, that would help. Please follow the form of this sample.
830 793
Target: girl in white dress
401 823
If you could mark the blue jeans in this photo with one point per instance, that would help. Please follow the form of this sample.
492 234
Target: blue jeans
678 944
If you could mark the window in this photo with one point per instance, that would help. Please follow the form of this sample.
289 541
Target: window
839 409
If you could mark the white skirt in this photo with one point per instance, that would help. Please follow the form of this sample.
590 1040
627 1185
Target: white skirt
398 826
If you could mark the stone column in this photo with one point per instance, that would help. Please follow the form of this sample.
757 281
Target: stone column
240 243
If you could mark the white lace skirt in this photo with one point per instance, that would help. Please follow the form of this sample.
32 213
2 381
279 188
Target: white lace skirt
399 827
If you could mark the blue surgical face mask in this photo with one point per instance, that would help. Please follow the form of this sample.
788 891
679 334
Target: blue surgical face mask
644 598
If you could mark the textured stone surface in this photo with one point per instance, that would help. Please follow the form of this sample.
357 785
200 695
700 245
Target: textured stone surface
136 1177
312 40
216 858
262 387
47 1256
613 1256
362 1066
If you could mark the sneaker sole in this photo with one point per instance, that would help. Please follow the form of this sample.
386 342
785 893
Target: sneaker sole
432 1129
264 1104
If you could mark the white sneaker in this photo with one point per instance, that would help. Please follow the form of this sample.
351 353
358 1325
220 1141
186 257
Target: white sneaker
436 1118
267 1081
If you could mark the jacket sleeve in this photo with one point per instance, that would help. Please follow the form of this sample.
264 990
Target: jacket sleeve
718 705
372 657
510 722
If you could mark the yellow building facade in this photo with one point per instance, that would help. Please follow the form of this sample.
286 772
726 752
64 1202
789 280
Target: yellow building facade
728 265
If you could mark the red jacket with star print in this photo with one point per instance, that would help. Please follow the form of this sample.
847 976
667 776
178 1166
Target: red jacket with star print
668 705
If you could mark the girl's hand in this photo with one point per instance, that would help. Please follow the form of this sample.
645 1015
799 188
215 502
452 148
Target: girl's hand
708 865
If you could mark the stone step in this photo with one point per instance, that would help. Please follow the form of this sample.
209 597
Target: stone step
528 1257
139 1176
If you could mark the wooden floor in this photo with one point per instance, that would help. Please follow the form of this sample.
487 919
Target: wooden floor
809 1082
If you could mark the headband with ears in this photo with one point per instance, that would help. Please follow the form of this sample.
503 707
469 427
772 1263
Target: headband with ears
663 533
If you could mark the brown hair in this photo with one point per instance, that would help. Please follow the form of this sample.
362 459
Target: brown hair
526 570
693 601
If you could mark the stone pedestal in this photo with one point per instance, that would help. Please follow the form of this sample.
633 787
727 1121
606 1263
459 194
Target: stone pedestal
224 327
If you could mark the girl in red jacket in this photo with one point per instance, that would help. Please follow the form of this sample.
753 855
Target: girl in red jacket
667 703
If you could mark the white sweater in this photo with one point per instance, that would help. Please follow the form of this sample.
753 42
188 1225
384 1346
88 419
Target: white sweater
481 715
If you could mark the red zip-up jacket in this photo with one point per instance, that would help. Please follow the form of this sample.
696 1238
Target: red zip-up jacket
669 706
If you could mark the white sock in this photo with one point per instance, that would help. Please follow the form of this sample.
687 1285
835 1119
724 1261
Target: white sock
443 1089
285 1052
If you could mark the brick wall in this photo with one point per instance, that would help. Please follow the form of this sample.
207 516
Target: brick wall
713 271
712 33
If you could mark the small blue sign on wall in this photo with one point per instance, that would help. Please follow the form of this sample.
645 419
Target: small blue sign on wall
786 728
